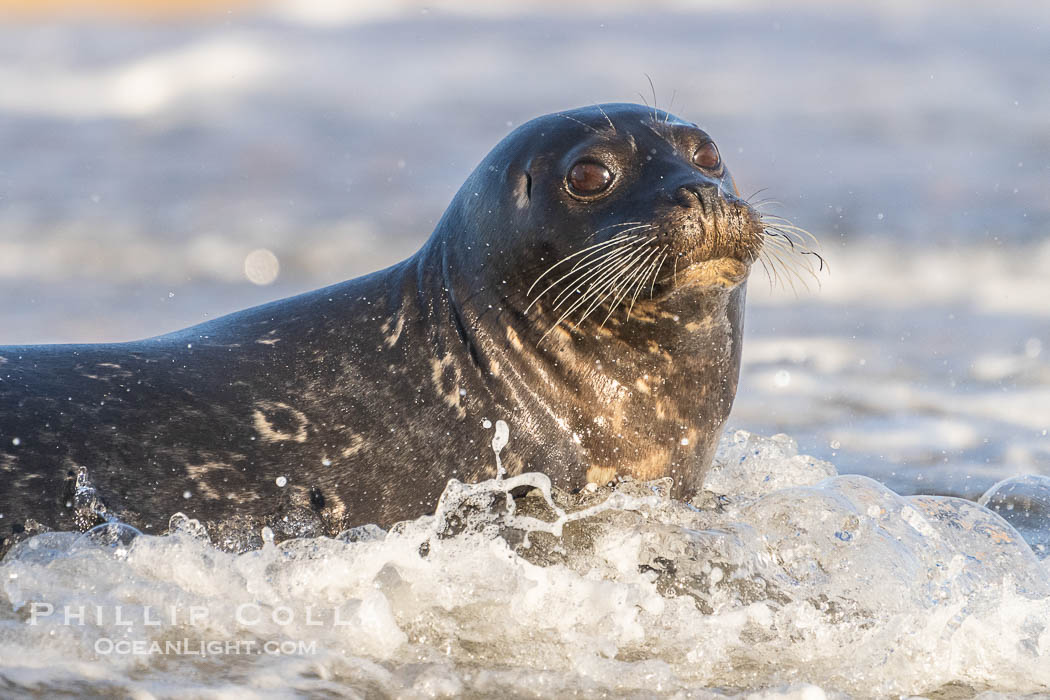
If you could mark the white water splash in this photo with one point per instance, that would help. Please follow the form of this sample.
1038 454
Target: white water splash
500 438
782 578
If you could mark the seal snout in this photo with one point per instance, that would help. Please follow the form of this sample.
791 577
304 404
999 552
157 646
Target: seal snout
706 221
706 196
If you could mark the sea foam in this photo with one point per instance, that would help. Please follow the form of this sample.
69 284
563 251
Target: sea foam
781 578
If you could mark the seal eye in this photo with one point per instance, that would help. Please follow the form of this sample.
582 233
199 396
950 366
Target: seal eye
589 178
707 157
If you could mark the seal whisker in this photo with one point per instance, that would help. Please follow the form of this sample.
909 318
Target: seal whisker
784 246
663 137
762 259
794 232
775 262
656 275
611 125
653 88
573 119
596 269
612 241
619 291
588 260
781 222
599 253
823 262
639 285
642 278
670 106
792 271
784 267
629 223
774 278
622 223
595 280
778 238
636 275
755 194
622 284
615 272
770 202
586 264
600 288
640 227
591 292
605 257
596 298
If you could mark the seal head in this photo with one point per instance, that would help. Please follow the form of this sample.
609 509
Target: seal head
617 244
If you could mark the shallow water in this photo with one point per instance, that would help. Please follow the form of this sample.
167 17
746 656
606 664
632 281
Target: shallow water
802 583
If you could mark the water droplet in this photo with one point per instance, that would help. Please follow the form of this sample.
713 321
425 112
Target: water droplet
281 481
499 441
16 442
501 437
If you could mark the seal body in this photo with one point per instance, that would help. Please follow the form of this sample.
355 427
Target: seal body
586 285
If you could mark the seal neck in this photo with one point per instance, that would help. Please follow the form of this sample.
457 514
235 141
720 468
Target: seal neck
646 397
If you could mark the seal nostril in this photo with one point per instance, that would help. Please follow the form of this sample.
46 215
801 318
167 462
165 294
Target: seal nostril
704 196
687 196
528 185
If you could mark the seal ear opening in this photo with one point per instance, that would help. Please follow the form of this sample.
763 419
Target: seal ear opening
523 191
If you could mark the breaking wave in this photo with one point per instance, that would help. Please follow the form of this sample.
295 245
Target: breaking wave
781 578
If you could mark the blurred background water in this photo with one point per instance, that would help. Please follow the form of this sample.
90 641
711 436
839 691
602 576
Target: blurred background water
165 163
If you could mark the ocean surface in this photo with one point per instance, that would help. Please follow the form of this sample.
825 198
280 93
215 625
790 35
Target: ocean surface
156 174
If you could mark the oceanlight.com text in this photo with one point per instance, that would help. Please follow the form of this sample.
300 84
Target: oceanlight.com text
105 646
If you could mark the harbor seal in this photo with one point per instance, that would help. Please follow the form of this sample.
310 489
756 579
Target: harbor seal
586 285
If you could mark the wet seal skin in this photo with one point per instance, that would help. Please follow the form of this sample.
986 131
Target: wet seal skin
586 285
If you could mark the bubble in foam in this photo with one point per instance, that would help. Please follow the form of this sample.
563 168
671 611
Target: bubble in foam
181 524
114 536
1024 502
748 466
